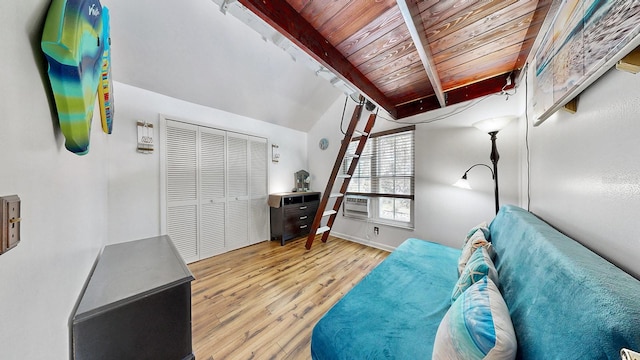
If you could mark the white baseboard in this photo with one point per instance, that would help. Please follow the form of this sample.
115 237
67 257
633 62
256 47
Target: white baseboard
373 244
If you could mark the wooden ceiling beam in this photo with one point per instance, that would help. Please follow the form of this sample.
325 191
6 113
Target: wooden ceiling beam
482 88
417 107
286 20
413 20
465 93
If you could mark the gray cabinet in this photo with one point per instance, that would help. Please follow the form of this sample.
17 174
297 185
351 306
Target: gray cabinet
292 214
137 304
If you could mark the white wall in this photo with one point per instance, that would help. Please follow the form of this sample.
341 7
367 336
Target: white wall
134 178
64 197
444 150
585 169
190 50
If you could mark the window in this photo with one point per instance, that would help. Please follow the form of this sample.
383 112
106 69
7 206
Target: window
385 175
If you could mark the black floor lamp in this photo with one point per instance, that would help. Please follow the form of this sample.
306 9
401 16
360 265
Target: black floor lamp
492 127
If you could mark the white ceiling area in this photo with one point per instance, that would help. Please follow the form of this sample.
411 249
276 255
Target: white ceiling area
190 50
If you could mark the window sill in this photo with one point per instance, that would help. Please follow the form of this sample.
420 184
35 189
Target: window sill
396 224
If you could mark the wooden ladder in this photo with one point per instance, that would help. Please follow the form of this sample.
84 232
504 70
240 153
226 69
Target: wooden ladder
316 229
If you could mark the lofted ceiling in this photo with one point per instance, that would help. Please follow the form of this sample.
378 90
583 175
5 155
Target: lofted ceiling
413 56
190 50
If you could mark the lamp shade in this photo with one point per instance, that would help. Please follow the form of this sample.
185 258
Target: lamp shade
462 183
494 124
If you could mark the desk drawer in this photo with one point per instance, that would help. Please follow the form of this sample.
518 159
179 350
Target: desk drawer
298 219
300 209
294 217
298 222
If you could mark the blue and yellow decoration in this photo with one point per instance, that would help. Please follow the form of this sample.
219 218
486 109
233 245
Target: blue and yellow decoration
74 44
105 89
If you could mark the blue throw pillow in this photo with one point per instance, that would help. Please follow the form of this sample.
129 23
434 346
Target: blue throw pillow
478 266
476 326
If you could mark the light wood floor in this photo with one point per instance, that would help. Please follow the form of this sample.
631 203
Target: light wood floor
262 301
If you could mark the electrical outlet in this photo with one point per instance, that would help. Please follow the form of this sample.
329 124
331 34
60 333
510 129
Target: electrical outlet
376 230
9 222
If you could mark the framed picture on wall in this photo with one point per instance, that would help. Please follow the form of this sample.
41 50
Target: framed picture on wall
585 39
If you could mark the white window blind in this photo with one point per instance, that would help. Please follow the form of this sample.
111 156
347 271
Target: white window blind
385 173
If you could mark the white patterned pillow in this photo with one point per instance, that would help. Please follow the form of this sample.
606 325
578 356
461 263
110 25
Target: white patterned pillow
482 227
476 326
474 242
479 265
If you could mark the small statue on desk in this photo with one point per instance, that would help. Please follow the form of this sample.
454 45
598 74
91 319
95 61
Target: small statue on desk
302 181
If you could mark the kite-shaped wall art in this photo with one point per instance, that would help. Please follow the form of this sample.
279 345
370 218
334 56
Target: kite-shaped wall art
75 42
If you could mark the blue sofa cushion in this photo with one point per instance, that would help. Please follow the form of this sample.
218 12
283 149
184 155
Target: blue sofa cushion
394 312
566 302
477 326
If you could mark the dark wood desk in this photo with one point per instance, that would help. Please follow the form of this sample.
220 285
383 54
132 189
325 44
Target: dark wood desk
291 214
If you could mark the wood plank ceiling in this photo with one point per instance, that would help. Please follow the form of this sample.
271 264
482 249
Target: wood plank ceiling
465 48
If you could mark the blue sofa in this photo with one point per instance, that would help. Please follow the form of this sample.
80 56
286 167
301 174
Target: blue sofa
565 301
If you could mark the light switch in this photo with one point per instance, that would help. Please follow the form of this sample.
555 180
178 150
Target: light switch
9 222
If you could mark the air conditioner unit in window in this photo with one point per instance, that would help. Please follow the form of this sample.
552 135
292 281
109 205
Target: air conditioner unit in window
356 206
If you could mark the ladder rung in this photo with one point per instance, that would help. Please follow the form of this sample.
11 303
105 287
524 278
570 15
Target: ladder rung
358 156
361 133
322 230
336 195
344 176
329 212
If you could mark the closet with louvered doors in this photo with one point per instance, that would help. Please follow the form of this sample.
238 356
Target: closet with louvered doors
214 187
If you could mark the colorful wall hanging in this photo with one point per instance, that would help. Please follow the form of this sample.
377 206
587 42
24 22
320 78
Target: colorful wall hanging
585 39
105 89
73 42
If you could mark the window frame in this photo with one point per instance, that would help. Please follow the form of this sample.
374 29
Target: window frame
375 196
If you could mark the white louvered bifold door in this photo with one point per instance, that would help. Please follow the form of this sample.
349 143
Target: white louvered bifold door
259 219
238 191
182 188
215 187
212 192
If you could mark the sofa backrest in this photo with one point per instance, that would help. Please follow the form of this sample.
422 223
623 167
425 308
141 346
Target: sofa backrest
565 301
